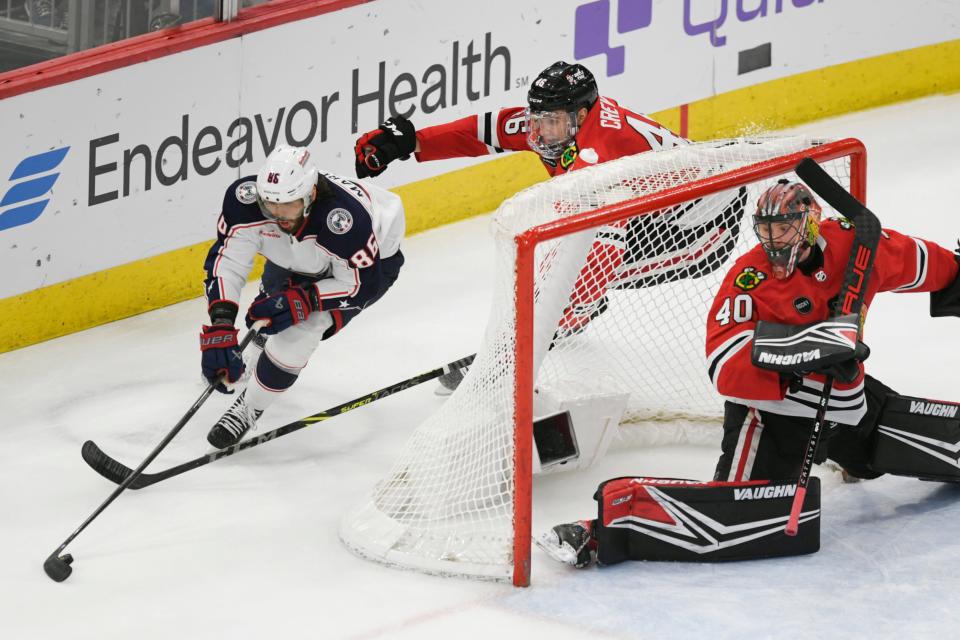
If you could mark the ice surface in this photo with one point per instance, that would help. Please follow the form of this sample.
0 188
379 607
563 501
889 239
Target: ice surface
247 547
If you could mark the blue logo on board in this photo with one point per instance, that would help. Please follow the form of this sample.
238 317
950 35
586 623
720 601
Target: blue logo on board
29 194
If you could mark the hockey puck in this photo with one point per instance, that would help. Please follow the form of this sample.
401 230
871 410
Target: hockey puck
58 567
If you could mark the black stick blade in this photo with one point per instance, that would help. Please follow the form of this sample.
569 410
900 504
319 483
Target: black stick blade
58 567
106 466
829 189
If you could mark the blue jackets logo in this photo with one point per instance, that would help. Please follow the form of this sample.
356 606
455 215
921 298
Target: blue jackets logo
32 181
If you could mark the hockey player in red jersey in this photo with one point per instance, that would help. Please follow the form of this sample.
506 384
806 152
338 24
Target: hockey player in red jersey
567 123
793 277
569 126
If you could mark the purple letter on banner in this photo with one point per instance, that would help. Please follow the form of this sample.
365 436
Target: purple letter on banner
634 14
711 27
591 35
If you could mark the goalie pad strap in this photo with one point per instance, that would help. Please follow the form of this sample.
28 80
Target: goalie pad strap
669 519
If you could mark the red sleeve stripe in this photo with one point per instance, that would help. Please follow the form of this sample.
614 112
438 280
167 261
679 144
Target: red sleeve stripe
720 355
340 294
704 247
487 132
923 261
215 271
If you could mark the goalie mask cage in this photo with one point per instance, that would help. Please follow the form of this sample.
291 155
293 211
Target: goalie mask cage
636 248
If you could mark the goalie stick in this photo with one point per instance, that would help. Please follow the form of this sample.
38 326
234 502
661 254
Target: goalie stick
860 264
118 473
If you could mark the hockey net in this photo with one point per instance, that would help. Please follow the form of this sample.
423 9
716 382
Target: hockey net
638 247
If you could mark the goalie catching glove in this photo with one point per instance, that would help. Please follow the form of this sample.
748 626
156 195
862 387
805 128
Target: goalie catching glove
396 138
829 347
283 309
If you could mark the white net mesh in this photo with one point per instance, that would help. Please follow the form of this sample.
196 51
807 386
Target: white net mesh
618 309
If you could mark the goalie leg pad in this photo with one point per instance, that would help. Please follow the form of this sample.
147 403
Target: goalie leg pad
686 520
918 437
852 447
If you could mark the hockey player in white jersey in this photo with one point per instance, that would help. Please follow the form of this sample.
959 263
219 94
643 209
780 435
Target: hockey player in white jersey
332 247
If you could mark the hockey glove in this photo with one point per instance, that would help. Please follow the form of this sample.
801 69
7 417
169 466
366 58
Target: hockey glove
846 371
396 138
946 302
284 309
220 355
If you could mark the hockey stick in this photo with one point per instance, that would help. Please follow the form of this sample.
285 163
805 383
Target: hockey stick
856 276
57 566
117 472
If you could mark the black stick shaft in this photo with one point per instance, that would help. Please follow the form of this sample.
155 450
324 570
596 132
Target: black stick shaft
806 469
153 454
850 300
145 480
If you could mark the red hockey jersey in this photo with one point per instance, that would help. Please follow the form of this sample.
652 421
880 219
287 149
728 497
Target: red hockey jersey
609 132
750 293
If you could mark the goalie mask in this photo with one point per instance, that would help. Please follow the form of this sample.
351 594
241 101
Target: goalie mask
554 100
286 187
787 222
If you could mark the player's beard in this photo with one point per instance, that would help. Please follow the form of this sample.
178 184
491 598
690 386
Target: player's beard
294 225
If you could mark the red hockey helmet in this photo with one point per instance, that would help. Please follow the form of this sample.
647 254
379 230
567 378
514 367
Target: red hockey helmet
787 221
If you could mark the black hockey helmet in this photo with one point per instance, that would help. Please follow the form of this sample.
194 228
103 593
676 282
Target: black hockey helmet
563 86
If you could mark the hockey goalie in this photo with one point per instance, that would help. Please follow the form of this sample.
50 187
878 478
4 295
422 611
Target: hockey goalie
772 383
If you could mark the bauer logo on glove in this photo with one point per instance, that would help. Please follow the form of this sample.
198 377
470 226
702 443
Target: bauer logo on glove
282 310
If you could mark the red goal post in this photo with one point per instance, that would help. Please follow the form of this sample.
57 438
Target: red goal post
526 244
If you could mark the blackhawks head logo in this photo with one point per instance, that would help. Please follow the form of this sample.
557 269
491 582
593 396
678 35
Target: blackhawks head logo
749 279
569 156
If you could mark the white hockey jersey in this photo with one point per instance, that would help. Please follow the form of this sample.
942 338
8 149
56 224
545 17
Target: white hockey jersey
350 229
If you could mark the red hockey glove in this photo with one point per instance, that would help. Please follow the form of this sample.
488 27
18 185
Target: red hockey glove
396 138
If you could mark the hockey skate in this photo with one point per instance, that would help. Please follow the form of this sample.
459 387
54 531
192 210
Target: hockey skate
233 424
569 543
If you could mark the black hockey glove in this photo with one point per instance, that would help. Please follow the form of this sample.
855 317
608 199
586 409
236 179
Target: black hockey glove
946 302
283 309
219 350
396 138
845 371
